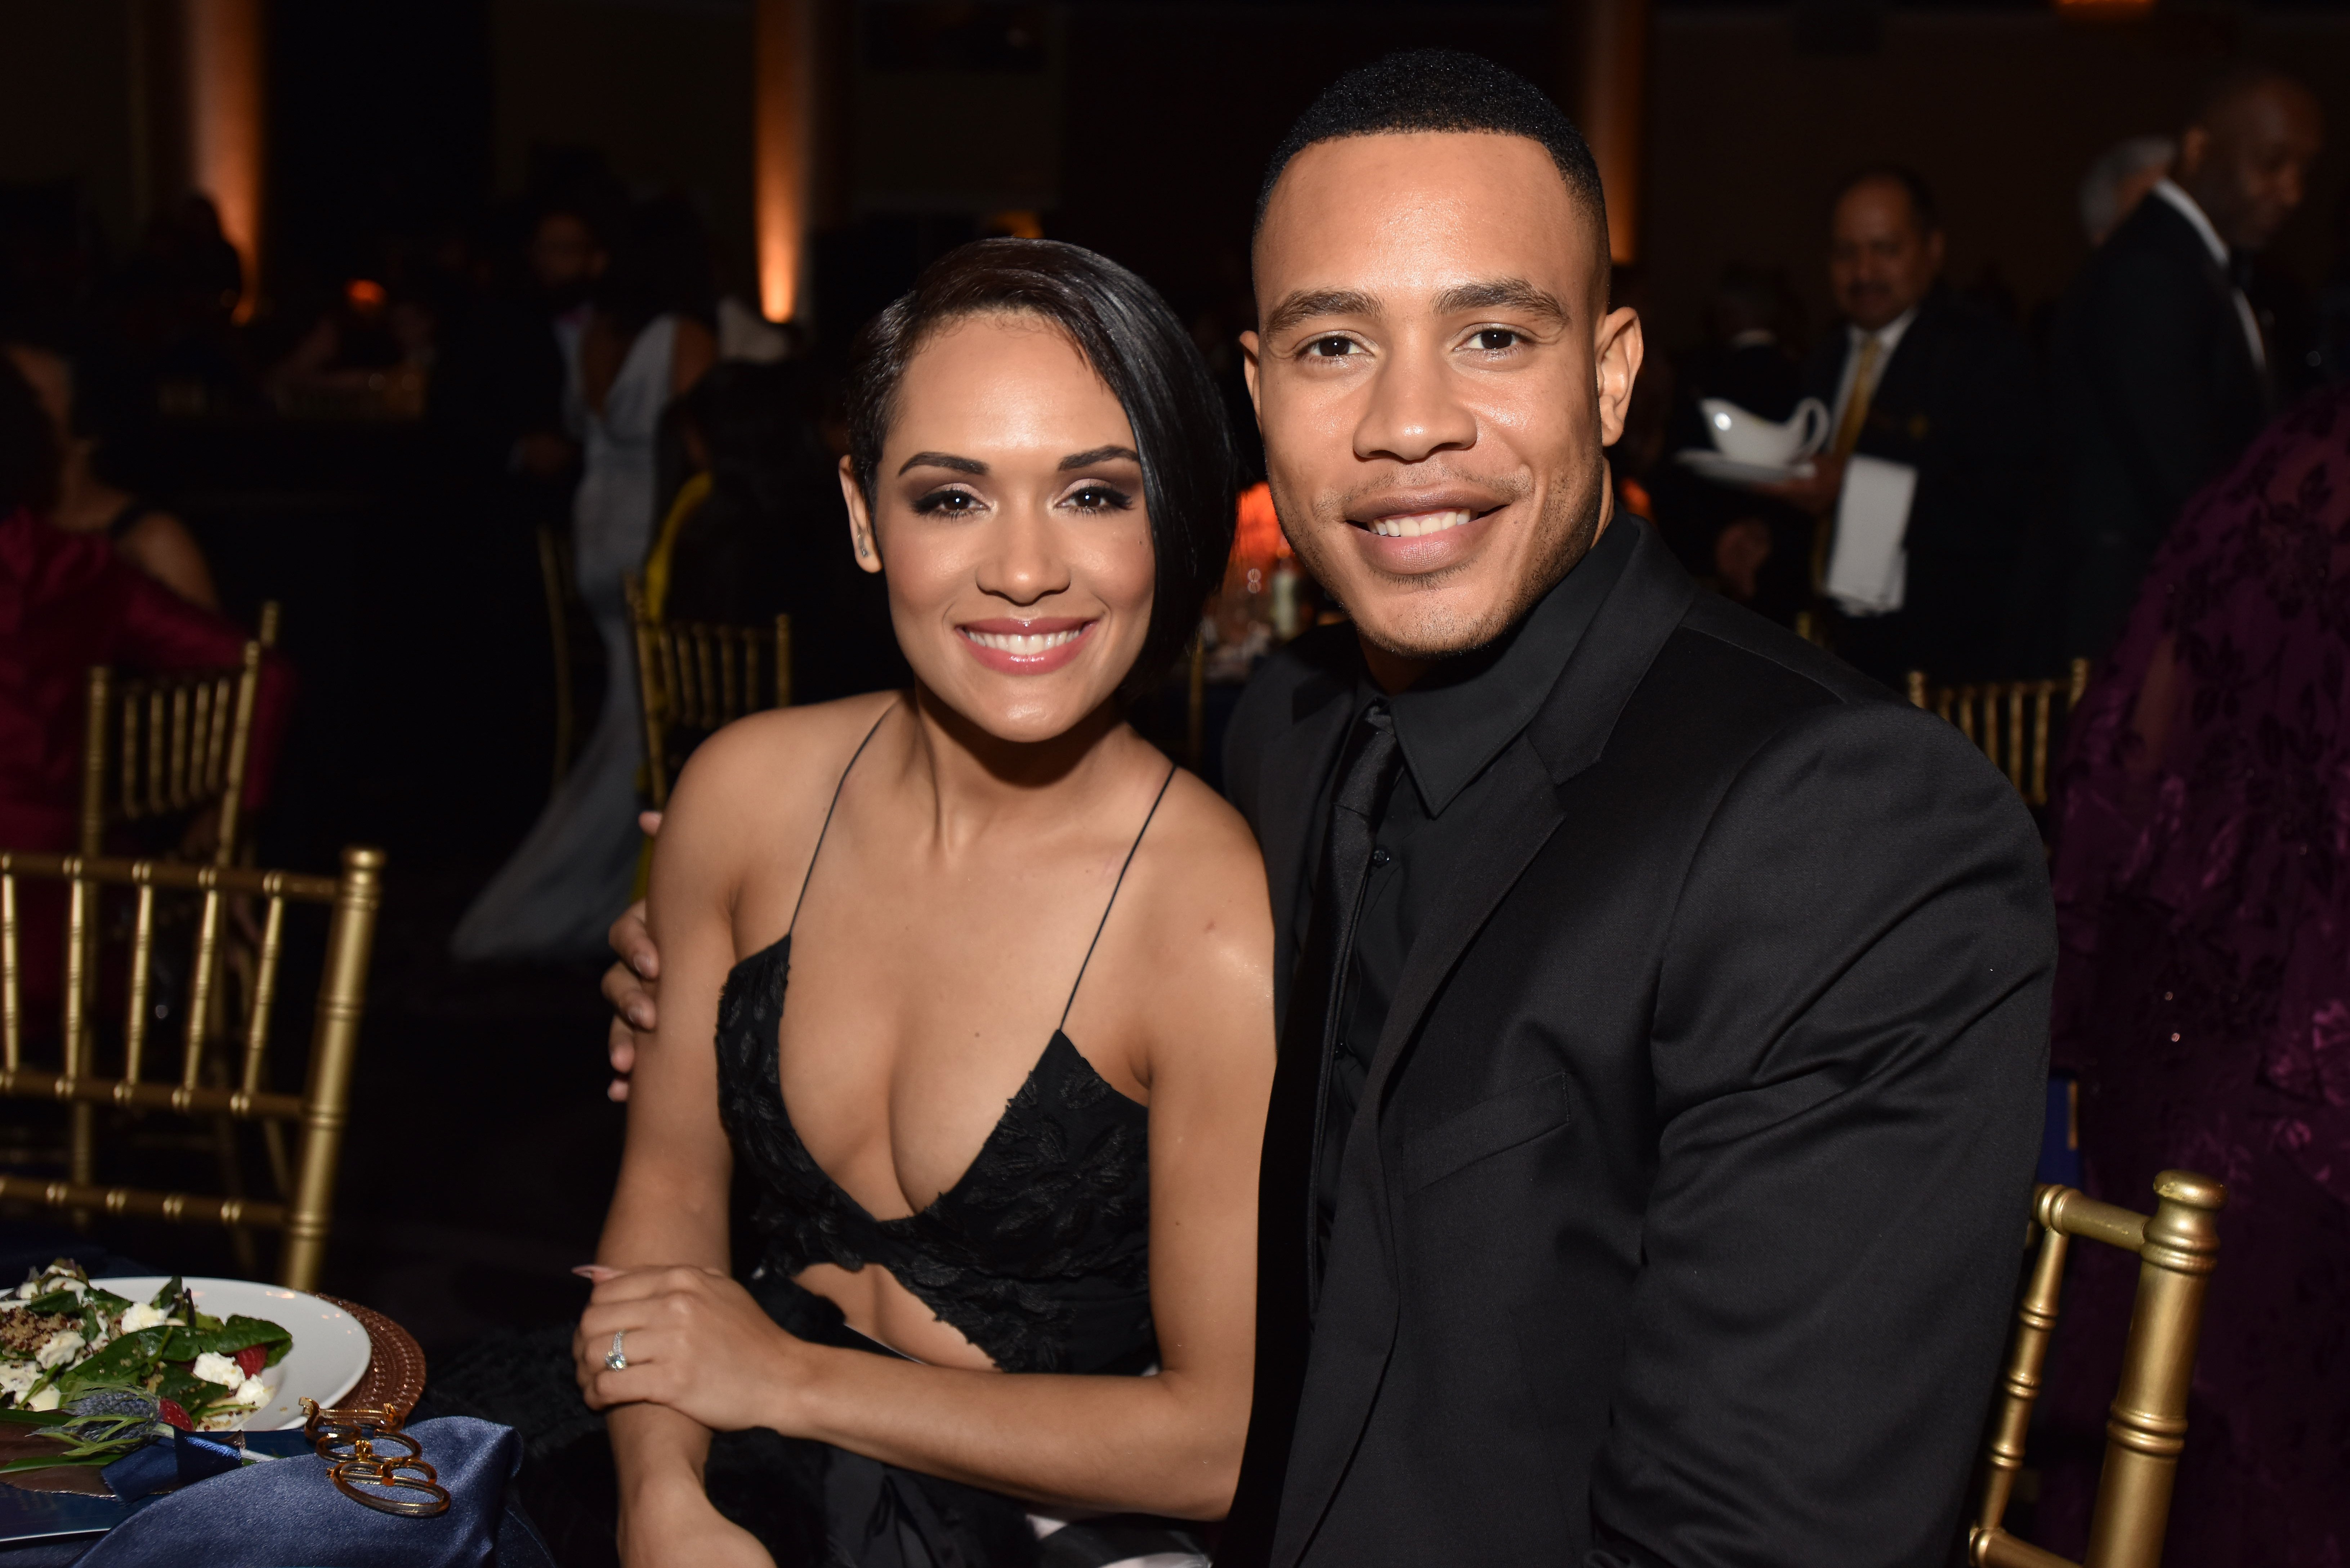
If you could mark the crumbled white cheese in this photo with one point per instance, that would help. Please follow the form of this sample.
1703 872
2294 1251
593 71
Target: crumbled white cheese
253 1392
212 1368
80 1288
46 1399
17 1377
138 1316
59 1347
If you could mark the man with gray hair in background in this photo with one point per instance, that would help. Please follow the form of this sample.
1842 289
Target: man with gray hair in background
2122 177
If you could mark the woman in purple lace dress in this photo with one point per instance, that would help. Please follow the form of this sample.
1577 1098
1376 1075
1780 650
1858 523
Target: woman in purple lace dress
2202 876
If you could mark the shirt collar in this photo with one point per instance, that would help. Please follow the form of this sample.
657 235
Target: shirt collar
1458 717
1889 337
2194 215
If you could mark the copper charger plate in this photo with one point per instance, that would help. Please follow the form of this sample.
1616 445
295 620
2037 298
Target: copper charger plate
394 1376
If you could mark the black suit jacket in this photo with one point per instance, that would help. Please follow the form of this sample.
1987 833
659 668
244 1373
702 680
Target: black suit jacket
1960 403
2155 392
1682 1208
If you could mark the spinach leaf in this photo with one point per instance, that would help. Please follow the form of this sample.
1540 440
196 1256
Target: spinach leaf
168 1297
237 1334
126 1360
188 1391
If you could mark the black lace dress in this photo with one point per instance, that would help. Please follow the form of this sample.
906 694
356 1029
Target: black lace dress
1038 1255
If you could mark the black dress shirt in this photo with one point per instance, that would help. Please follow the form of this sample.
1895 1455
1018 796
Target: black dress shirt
1451 723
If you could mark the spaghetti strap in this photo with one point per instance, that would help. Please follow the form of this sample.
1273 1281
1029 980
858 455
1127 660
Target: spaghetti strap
829 810
1114 887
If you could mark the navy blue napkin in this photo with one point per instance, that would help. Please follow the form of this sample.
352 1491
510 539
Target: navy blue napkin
181 1459
288 1512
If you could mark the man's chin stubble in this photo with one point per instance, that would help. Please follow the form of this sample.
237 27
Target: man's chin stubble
1441 633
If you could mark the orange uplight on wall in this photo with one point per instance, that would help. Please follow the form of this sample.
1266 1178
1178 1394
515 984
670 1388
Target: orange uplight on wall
224 122
1257 538
782 122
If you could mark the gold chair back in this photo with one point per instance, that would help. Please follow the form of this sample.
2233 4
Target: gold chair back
321 1109
171 744
2014 722
2178 1248
693 678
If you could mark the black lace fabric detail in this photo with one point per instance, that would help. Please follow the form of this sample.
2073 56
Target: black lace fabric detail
1038 1255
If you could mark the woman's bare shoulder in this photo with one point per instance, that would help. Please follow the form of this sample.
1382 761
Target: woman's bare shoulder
1206 886
763 767
163 547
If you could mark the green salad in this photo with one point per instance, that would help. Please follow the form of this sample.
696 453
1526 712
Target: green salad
63 1338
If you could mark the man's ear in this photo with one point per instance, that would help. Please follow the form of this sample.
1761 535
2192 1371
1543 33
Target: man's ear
1618 352
860 519
1936 248
1250 344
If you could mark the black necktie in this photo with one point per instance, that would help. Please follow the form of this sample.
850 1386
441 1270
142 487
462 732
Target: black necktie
1321 989
1289 1265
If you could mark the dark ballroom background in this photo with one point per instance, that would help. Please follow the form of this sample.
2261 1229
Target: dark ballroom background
400 149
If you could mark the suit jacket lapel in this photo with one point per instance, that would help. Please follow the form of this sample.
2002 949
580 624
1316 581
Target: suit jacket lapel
2191 249
1359 1292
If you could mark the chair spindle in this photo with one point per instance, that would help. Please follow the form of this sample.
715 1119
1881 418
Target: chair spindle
142 969
12 1018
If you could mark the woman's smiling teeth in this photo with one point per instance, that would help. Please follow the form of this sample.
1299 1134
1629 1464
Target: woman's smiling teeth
1026 642
1419 523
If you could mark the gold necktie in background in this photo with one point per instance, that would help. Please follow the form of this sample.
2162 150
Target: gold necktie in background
1864 388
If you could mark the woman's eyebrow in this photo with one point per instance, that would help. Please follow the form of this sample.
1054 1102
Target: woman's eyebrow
945 460
1093 455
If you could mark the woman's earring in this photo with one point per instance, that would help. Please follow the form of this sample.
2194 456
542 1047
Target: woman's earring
862 553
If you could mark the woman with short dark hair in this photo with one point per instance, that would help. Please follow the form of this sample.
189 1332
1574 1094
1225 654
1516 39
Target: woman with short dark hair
972 1252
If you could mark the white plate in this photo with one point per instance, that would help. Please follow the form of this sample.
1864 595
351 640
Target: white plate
1724 470
331 1350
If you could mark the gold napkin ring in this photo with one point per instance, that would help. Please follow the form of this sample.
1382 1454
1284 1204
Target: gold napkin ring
346 1440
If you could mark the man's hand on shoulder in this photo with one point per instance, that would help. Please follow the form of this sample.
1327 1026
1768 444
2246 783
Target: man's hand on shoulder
630 984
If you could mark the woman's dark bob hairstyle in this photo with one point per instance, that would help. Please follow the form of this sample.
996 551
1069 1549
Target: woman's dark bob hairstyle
1140 351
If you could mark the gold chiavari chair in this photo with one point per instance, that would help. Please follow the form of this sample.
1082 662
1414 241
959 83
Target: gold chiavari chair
304 1205
2014 722
170 745
693 678
2178 1247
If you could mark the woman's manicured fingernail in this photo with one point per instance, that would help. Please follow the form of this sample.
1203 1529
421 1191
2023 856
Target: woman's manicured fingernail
596 1272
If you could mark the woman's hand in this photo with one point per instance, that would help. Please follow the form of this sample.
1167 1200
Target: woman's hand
676 1527
696 1341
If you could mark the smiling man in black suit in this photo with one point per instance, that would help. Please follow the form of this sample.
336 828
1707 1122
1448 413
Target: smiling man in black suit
1664 1007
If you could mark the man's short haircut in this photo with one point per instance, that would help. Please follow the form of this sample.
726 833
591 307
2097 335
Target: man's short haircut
2240 82
1441 89
1913 184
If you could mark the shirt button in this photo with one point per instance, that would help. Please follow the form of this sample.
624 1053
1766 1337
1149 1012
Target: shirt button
1379 856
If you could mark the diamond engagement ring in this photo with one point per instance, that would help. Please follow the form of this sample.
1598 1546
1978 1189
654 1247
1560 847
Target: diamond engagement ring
617 1359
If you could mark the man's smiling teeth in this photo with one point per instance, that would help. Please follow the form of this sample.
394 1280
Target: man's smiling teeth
1417 524
1028 642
